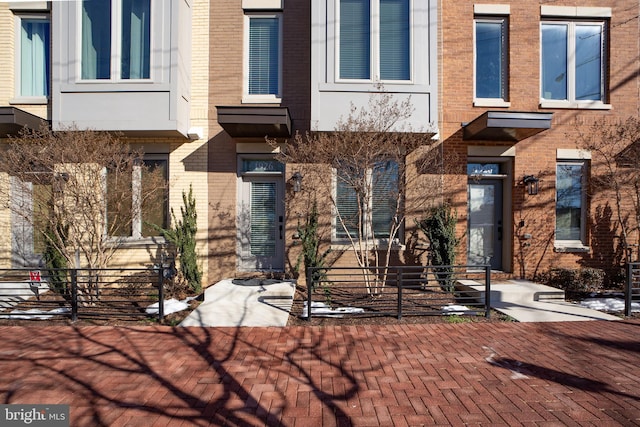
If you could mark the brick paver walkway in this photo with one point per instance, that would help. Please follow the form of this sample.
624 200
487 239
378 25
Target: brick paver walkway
577 373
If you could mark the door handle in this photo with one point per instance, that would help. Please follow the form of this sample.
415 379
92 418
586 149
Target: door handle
280 232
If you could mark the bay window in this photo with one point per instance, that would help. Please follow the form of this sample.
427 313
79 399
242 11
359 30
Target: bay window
116 39
374 40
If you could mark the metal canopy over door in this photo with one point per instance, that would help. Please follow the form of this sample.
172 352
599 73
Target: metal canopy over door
261 218
485 220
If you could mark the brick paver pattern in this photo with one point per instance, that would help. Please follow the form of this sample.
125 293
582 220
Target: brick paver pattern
575 373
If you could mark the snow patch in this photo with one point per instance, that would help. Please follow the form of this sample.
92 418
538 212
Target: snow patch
320 309
608 304
170 306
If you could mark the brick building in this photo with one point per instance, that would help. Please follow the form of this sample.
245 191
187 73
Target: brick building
520 81
502 88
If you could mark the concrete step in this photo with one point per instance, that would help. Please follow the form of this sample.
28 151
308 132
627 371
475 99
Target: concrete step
527 301
513 290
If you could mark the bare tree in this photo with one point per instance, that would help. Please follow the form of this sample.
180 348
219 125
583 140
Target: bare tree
378 169
77 191
615 174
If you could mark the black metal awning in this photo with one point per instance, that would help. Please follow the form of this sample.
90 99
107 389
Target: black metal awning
255 122
13 119
506 125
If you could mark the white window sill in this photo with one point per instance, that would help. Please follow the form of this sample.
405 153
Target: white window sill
570 247
30 100
341 247
491 102
582 105
261 99
133 242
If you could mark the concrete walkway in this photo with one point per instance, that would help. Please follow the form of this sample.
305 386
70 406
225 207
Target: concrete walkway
244 302
473 374
256 302
526 301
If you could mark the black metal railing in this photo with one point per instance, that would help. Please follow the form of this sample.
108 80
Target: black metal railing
632 287
398 291
82 293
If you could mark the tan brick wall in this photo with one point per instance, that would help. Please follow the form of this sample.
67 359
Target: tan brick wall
535 155
225 89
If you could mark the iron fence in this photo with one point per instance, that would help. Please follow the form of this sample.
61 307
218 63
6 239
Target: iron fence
82 293
632 288
398 291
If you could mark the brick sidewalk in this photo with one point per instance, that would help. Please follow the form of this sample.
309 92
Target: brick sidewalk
577 373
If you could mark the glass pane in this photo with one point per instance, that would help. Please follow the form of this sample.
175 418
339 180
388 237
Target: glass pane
348 209
136 34
96 39
34 57
262 165
119 203
355 39
589 62
554 61
489 60
263 218
569 201
264 56
385 196
42 203
395 63
483 169
154 203
481 223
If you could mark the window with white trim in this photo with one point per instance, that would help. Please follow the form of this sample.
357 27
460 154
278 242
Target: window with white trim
490 58
263 56
573 62
33 63
136 216
368 216
571 212
115 39
374 40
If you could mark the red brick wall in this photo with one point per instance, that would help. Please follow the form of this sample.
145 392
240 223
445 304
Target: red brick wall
535 155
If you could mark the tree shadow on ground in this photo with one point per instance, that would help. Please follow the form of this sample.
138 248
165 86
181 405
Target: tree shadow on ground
131 374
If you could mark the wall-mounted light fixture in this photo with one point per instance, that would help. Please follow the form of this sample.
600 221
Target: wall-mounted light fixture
532 184
297 181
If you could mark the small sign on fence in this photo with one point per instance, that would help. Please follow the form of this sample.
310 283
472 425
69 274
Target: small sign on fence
34 276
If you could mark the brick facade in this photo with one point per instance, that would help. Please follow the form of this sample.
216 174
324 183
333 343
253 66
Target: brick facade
534 216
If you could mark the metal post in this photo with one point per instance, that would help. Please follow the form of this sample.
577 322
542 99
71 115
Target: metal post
74 295
309 291
629 290
161 294
399 279
487 292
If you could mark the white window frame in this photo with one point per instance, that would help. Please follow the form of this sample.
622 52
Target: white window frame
493 102
116 44
18 97
571 102
136 207
374 65
257 98
566 245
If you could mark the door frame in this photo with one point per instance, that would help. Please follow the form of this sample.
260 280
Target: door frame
245 263
506 175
